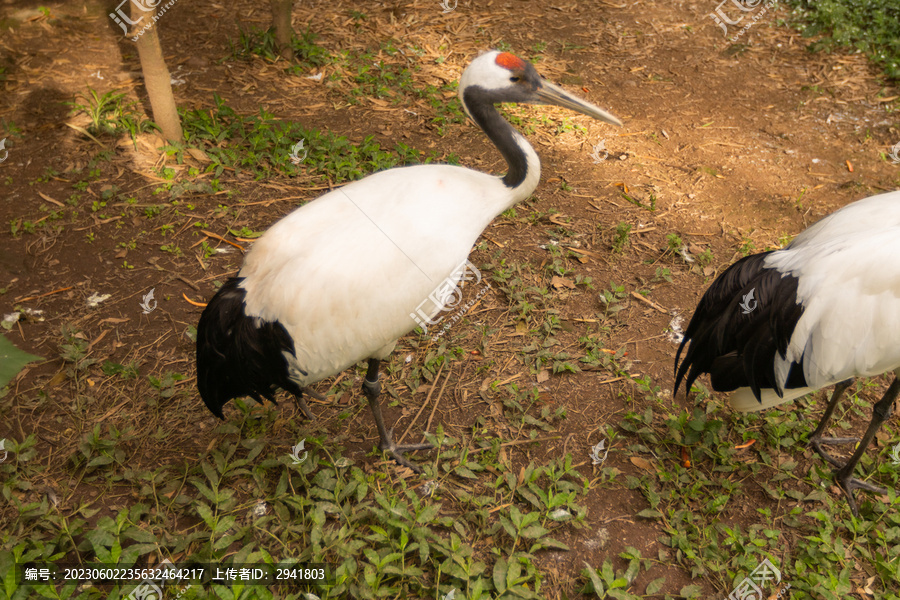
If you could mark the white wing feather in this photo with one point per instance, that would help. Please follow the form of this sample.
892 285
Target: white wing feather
850 290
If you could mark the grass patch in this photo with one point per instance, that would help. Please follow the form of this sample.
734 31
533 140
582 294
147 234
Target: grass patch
386 72
475 526
699 476
869 26
258 42
262 145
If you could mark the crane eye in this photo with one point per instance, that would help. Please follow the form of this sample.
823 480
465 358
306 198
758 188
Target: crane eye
515 78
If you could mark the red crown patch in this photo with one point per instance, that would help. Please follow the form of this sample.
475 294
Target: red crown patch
510 61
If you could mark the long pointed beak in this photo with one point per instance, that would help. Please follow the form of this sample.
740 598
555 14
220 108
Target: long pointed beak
553 94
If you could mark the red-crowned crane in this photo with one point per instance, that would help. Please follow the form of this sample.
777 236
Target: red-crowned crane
338 280
823 310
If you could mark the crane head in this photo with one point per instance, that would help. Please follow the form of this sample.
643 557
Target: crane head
503 77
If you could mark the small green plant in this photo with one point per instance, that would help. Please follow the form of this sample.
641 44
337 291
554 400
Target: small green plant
245 232
663 274
171 249
98 451
674 243
606 582
165 385
798 203
74 350
621 238
111 113
612 298
587 282
568 124
14 359
206 250
129 371
49 173
651 202
558 267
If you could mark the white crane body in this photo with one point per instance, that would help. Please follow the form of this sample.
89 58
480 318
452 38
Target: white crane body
827 311
375 248
342 278
848 269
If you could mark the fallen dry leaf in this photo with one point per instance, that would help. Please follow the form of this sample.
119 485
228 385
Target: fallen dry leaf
199 155
57 379
642 464
112 320
868 589
561 282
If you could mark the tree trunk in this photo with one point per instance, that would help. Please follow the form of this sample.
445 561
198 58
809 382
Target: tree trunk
156 76
281 20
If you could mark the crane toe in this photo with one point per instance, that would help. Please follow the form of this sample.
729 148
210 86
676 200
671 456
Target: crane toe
848 484
397 451
817 442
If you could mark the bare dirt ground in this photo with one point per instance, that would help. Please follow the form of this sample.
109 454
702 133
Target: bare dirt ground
738 147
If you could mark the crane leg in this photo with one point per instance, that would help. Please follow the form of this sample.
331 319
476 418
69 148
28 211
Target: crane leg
816 440
844 475
301 403
372 389
314 394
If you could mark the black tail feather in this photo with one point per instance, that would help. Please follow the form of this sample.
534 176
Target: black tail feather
239 355
715 301
736 346
727 373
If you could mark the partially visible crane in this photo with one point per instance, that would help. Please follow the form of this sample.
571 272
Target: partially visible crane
826 309
337 281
